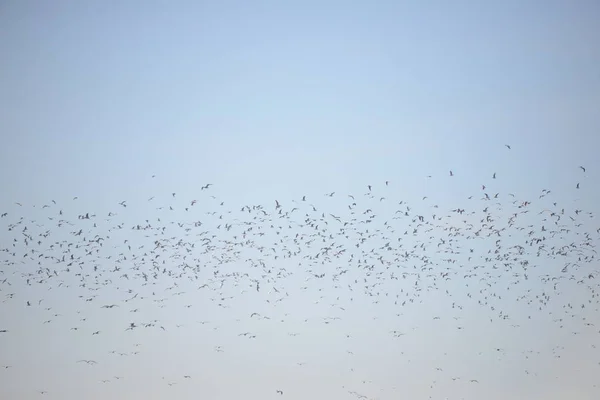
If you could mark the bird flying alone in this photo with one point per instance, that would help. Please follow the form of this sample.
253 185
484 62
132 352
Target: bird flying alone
88 362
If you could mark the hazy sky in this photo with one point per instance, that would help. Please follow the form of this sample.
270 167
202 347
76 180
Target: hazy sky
275 100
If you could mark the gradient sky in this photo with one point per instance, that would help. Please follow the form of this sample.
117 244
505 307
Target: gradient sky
275 100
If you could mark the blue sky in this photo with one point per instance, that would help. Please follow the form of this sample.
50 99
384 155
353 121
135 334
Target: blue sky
275 100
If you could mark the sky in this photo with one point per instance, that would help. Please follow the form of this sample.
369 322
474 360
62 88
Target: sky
127 101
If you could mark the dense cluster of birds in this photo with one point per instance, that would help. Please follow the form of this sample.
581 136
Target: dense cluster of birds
348 245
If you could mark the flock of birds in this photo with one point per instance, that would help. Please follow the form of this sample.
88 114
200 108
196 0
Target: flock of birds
337 247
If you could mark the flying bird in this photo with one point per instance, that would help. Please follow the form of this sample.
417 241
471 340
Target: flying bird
88 362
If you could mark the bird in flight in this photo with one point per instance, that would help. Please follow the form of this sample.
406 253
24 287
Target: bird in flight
88 362
507 146
280 391
582 168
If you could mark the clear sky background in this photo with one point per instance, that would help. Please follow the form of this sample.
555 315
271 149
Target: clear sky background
266 100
